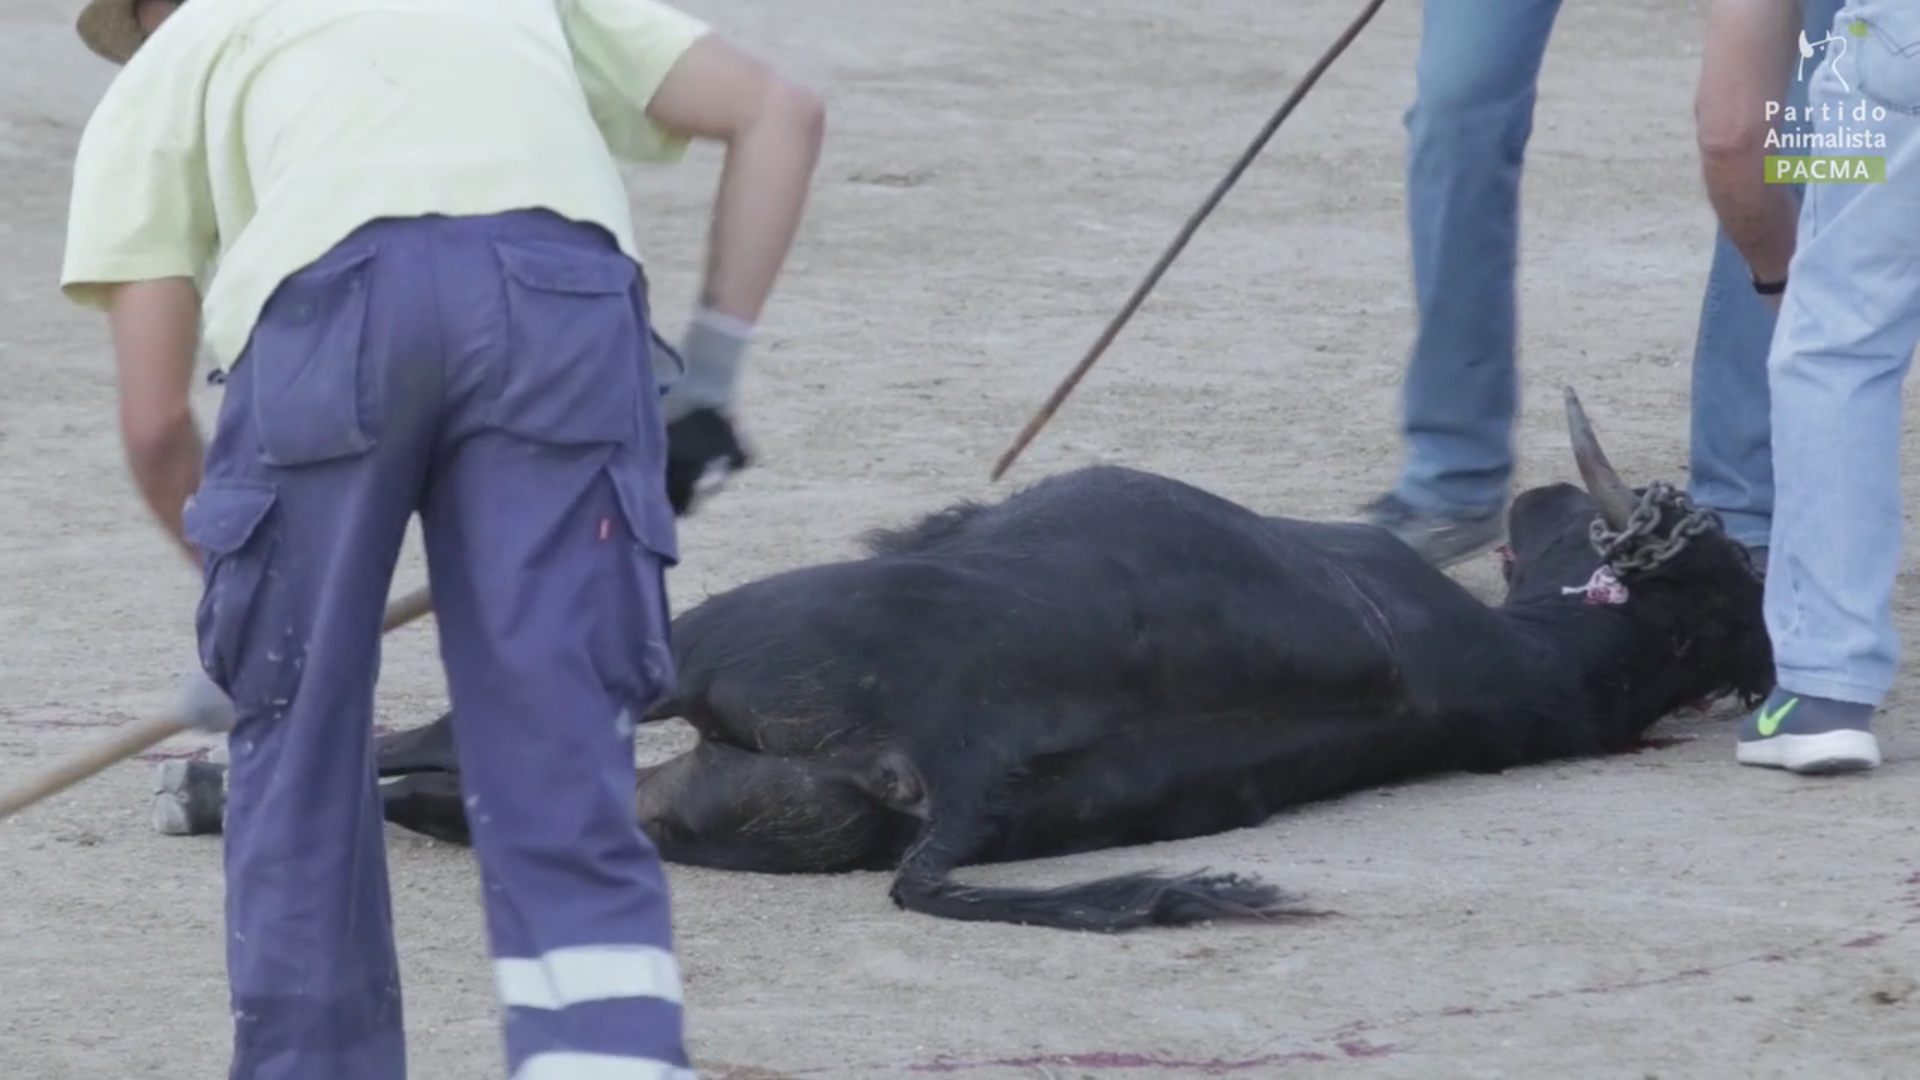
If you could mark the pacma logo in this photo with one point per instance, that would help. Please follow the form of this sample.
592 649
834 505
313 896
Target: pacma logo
1856 28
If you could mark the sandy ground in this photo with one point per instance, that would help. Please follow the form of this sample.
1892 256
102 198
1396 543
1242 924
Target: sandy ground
999 174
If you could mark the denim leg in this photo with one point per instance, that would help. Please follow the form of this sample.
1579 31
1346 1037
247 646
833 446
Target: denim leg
1847 332
1730 445
1475 82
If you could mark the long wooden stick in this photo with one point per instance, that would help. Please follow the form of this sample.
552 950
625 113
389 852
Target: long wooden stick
144 736
1179 244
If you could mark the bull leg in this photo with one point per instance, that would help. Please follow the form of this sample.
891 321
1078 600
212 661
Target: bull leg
958 826
190 797
428 748
428 803
725 808
425 798
754 704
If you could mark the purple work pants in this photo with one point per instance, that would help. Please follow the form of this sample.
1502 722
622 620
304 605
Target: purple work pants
493 374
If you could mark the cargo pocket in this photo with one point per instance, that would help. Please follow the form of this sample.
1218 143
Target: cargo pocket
575 346
314 393
1884 63
639 650
229 524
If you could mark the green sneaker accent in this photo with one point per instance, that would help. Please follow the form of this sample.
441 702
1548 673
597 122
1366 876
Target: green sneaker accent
1768 721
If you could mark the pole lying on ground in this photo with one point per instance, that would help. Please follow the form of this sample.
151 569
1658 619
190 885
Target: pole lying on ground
142 737
1180 241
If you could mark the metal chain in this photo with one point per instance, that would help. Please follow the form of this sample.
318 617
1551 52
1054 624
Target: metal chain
1637 548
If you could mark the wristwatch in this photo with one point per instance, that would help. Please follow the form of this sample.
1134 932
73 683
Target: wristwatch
1768 288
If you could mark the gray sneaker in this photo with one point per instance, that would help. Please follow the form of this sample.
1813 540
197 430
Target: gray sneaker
1805 734
1443 541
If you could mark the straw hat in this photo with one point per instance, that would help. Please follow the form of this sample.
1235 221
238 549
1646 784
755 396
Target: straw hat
110 29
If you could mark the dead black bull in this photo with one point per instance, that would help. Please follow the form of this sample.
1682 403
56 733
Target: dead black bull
1111 658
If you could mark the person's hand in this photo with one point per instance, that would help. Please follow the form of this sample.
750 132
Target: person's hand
703 450
704 446
203 706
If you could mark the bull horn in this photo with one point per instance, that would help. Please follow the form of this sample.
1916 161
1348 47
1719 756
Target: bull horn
1615 498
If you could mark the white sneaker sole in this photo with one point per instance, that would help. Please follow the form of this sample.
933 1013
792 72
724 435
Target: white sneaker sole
1830 752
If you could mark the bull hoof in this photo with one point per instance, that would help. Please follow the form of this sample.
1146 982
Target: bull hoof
189 798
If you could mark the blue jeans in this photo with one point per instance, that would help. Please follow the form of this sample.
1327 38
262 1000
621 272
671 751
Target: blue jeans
1848 327
1476 75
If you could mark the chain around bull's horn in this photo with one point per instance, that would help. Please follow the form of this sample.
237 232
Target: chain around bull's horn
1179 244
143 737
1612 494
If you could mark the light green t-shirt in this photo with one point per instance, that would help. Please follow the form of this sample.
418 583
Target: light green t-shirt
256 134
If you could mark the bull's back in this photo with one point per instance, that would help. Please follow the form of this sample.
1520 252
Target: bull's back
1101 591
1221 605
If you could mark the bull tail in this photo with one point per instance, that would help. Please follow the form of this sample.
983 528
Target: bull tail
1107 905
956 828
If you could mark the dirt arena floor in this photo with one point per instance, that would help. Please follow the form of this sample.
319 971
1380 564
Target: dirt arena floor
998 175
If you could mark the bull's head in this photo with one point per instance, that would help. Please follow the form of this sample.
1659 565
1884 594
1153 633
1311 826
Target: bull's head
1652 555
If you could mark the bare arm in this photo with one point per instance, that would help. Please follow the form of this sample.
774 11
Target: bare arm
156 327
1749 52
772 130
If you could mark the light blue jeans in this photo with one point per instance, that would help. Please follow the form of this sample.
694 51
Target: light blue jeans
1849 324
1475 79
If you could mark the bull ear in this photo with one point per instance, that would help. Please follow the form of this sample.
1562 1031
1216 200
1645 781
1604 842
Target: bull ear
1614 497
